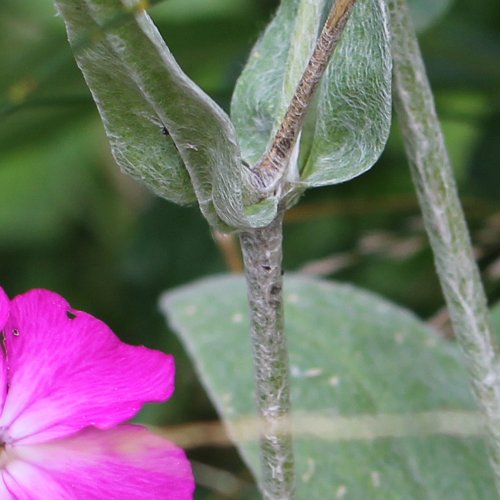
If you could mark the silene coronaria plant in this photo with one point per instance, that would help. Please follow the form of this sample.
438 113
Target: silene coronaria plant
67 385
312 107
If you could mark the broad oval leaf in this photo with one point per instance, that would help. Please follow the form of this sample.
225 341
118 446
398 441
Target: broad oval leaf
353 111
163 129
348 123
273 70
382 408
133 124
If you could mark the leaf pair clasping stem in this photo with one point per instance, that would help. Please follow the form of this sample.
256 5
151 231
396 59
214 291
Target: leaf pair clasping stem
270 170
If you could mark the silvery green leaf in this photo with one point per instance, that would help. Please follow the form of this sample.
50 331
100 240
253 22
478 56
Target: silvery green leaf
273 70
133 124
352 116
163 129
348 123
381 404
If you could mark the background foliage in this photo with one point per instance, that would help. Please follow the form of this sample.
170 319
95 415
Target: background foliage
69 221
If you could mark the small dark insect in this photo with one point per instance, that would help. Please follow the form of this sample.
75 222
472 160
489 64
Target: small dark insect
70 315
164 131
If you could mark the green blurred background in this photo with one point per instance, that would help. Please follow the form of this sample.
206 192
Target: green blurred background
71 222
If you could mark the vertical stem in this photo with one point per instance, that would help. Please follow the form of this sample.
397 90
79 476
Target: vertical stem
444 221
262 255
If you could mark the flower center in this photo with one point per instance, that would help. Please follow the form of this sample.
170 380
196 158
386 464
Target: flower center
5 453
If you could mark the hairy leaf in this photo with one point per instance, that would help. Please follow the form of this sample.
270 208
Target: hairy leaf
382 408
268 81
163 129
353 111
134 125
348 123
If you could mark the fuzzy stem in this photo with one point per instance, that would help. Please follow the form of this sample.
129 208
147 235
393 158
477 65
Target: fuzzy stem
444 221
262 255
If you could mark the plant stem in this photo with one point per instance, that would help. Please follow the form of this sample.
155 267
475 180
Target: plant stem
444 221
262 255
273 163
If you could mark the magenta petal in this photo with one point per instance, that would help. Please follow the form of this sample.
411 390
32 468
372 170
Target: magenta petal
127 462
25 480
4 492
4 316
68 370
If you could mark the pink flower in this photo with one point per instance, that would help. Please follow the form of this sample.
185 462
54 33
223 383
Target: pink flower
66 381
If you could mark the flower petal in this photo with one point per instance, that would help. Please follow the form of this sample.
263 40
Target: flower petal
4 316
127 462
67 370
4 492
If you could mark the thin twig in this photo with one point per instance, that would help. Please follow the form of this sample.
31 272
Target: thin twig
444 221
271 167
